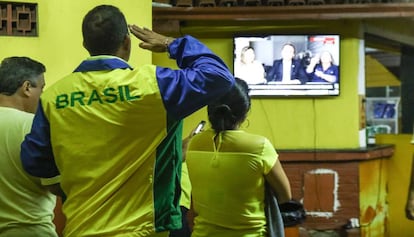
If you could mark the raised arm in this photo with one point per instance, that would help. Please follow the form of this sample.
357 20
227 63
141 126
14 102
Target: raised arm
202 76
311 67
151 40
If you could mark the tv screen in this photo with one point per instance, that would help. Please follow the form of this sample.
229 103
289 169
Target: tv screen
288 65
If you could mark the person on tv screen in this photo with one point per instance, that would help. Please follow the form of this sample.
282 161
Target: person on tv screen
248 68
287 70
322 68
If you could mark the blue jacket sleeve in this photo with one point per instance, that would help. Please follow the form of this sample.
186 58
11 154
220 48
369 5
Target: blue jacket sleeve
36 150
202 77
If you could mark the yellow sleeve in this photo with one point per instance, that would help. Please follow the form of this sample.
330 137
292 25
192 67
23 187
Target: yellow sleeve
270 156
185 199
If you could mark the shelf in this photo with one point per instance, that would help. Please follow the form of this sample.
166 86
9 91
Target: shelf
377 107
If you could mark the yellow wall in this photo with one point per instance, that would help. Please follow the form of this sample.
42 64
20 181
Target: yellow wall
59 44
295 123
399 170
373 177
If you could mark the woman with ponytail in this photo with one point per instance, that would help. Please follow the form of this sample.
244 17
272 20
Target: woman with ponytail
228 169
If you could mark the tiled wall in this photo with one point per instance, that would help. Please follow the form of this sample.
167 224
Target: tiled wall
18 19
329 191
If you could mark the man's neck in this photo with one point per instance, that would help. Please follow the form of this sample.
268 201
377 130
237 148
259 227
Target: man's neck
11 102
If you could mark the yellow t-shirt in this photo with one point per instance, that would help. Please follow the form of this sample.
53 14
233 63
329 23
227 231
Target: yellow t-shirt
26 208
227 181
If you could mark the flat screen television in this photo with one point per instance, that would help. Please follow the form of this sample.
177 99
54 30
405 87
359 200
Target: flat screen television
288 65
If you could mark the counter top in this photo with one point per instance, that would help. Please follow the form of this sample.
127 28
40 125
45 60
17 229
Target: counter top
337 155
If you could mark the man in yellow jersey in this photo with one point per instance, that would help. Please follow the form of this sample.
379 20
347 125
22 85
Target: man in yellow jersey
26 206
114 132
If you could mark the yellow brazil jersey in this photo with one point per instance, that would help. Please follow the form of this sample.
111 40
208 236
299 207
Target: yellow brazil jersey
108 105
114 134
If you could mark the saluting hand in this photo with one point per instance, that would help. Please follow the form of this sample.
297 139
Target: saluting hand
151 40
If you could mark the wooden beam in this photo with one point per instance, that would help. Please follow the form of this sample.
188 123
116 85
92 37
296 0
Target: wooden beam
169 27
338 155
275 13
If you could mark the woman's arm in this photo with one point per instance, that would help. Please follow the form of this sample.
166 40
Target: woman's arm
311 67
279 181
326 77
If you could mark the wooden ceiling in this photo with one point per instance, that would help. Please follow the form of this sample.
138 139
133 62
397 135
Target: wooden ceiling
302 12
388 26
391 21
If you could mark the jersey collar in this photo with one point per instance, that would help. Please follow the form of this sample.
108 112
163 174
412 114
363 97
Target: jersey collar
102 62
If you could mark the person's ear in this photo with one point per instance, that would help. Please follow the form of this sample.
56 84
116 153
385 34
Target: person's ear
25 88
125 50
127 43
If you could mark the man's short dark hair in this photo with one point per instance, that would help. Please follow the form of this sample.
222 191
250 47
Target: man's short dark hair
104 29
14 71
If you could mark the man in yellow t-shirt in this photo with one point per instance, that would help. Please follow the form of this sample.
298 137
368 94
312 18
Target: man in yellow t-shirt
26 204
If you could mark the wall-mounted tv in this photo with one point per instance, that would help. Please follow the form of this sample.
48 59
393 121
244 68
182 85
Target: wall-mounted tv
288 65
